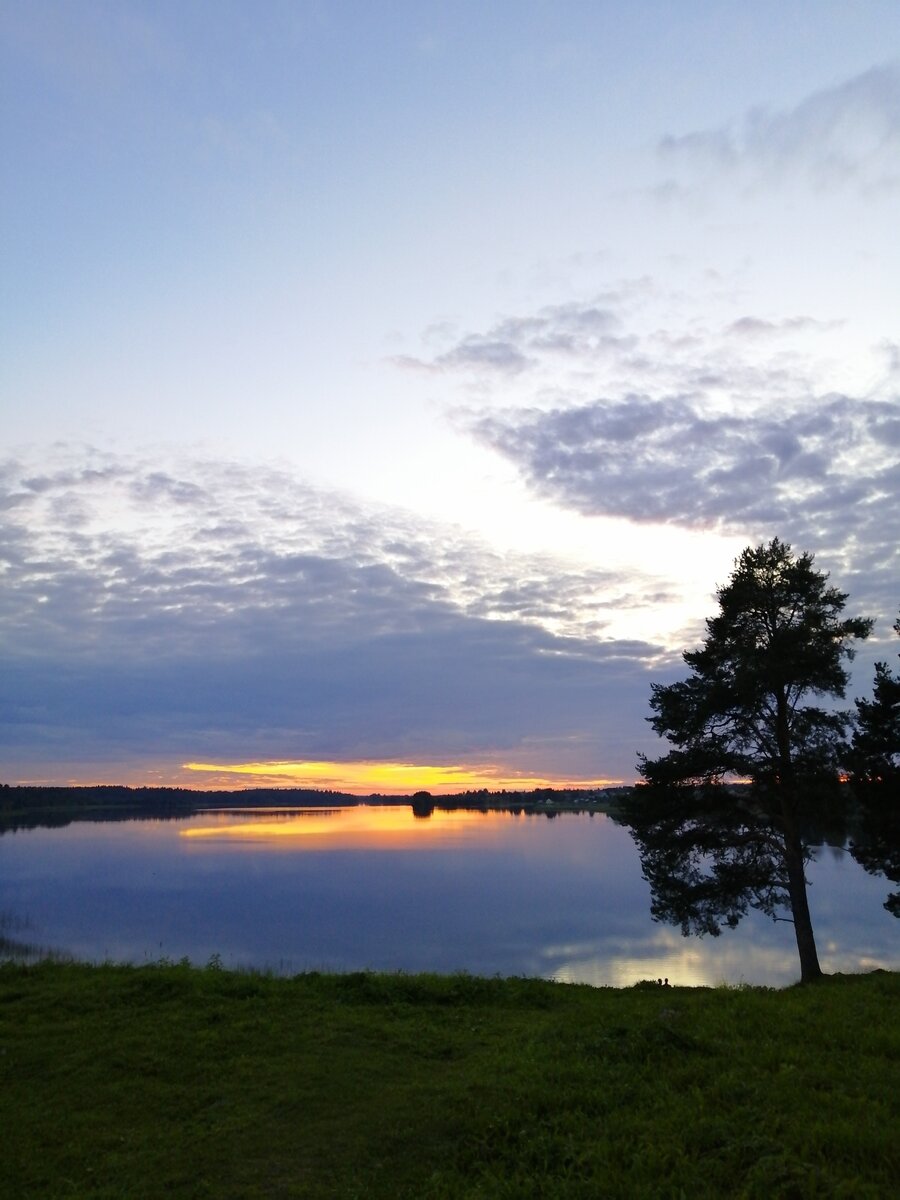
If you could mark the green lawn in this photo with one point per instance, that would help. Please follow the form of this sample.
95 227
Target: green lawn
166 1081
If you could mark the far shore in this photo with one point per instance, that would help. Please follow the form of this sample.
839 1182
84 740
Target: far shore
24 803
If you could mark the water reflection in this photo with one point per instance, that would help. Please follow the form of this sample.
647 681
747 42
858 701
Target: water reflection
734 958
491 893
366 827
12 946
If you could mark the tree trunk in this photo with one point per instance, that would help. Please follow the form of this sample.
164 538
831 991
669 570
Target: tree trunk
793 847
806 942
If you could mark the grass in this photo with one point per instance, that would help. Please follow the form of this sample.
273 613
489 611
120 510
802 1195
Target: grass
135 1082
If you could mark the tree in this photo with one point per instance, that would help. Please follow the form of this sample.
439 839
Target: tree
422 804
720 820
875 755
875 767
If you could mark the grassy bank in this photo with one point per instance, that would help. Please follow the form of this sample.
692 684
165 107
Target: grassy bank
139 1082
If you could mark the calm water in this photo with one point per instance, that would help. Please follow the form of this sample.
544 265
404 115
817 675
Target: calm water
378 888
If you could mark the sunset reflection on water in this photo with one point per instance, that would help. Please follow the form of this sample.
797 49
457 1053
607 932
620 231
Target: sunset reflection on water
361 827
344 889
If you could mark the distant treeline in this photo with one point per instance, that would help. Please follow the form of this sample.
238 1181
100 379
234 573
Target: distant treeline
118 795
24 806
28 805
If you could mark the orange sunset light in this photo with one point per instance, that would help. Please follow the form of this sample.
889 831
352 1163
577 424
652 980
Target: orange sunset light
356 828
367 777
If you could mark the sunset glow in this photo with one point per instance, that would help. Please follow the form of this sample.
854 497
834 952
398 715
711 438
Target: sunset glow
355 828
366 778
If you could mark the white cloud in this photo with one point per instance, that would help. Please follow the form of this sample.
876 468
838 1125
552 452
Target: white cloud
516 344
824 473
847 135
734 428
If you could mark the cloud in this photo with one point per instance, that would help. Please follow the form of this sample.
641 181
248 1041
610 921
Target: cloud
494 355
758 327
615 343
516 344
732 427
847 135
216 611
823 472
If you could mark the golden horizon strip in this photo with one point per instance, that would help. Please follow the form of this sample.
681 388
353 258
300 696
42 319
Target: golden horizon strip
372 776
394 827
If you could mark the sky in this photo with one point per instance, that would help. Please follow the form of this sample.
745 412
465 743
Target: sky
387 387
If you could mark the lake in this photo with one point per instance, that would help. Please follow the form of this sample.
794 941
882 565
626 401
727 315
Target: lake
378 888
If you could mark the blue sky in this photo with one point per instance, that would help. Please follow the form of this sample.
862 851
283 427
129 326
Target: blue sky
395 382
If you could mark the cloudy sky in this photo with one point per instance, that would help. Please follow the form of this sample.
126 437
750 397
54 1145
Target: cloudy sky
387 386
